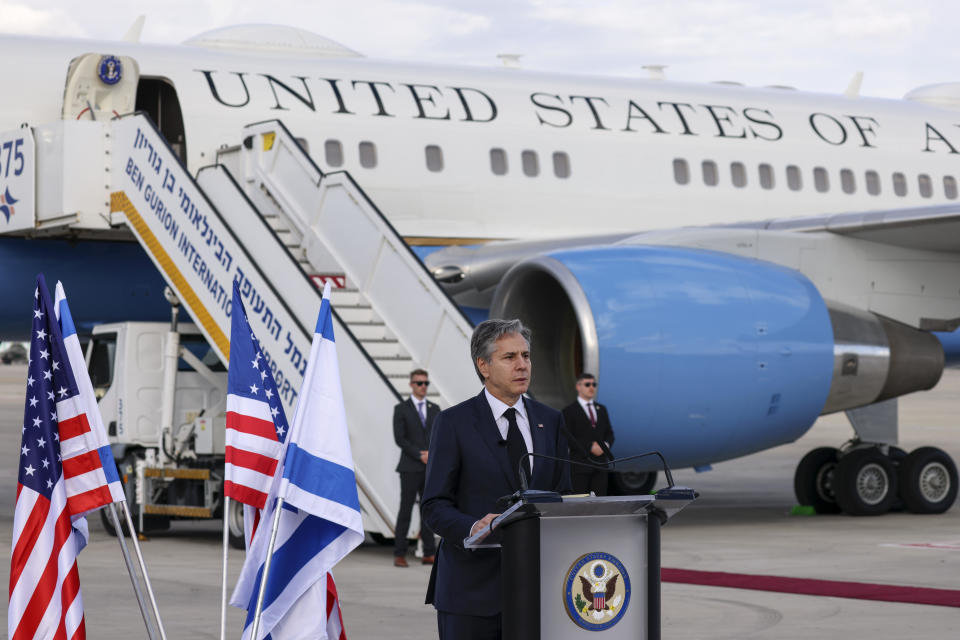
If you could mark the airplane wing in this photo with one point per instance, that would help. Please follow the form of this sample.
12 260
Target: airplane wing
471 274
933 228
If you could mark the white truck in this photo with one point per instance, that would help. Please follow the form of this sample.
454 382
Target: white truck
162 393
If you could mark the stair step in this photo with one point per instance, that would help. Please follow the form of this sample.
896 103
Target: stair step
368 330
348 297
352 315
377 349
399 367
289 238
298 253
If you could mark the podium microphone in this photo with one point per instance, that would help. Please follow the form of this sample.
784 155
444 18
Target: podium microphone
522 468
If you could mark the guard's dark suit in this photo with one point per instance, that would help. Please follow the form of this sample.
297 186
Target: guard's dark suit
467 471
412 437
585 434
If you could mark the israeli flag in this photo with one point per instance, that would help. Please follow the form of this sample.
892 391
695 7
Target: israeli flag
320 522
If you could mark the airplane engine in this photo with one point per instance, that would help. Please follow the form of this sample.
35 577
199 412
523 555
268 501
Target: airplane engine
702 355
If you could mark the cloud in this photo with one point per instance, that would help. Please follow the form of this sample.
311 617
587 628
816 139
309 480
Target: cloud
815 44
382 28
27 20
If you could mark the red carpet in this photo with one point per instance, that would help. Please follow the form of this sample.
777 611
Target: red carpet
811 587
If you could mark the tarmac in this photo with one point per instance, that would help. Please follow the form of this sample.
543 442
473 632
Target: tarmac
742 524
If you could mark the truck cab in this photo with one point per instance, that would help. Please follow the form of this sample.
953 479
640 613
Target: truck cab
172 471
126 363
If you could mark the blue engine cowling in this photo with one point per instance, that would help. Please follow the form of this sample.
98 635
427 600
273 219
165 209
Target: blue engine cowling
701 355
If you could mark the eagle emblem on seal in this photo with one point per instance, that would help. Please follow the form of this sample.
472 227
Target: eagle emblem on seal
596 591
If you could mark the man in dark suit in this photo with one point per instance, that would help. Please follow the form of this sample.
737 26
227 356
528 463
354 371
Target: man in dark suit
412 420
589 424
475 452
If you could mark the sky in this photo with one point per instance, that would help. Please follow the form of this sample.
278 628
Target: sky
815 46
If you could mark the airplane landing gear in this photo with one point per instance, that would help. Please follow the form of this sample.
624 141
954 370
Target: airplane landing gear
864 481
928 481
813 482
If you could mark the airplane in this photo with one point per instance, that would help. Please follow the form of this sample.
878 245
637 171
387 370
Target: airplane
731 262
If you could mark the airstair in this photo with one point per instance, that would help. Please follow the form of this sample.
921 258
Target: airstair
279 226
386 297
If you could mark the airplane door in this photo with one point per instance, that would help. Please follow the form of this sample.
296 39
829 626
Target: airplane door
100 86
157 97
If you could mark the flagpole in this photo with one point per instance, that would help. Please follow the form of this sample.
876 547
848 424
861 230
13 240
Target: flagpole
133 576
258 612
143 570
226 541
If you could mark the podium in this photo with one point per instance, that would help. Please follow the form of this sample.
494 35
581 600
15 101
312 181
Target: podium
574 566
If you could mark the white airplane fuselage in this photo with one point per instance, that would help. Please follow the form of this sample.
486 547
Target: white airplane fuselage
624 141
713 340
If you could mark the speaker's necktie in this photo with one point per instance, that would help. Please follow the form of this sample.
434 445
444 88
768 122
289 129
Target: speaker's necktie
593 416
516 447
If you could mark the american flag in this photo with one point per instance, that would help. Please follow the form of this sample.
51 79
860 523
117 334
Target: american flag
335 630
256 423
52 488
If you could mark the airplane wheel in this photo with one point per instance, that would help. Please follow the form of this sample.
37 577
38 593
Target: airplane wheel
865 482
813 481
235 524
928 481
634 483
897 456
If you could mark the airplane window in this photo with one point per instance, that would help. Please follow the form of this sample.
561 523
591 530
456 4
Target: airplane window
333 151
530 162
766 176
873 183
498 161
899 184
738 174
794 179
821 181
926 185
368 155
710 176
681 172
434 158
304 144
847 183
950 187
561 164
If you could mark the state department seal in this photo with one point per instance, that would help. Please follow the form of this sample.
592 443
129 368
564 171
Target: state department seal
597 591
110 70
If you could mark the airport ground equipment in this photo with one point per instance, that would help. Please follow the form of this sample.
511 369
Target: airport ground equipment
389 314
573 565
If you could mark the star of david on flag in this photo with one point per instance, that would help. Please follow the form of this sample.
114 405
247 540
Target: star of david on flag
65 470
